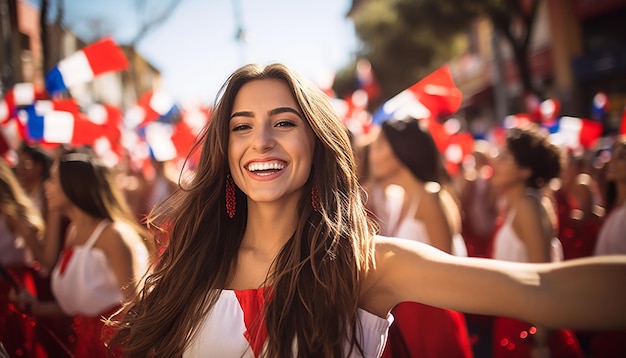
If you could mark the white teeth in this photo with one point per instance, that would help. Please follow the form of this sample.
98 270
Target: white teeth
265 166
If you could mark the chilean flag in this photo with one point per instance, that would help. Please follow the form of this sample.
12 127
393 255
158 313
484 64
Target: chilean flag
573 132
20 95
153 106
169 141
109 118
58 122
83 66
434 96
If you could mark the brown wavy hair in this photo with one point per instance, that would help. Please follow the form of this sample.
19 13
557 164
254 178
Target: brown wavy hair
316 278
531 147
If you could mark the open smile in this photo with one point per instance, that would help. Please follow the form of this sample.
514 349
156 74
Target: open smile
265 168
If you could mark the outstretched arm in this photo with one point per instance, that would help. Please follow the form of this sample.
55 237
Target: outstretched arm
579 294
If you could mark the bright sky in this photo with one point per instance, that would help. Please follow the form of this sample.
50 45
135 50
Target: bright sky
196 48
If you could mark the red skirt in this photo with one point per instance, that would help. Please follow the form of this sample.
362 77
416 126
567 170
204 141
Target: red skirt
18 331
92 336
513 339
427 332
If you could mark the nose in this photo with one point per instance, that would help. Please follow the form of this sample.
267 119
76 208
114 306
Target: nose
263 138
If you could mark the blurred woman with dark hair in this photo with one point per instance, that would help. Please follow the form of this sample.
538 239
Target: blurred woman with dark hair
413 200
523 166
105 250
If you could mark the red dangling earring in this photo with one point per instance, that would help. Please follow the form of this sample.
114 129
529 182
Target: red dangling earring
315 197
230 197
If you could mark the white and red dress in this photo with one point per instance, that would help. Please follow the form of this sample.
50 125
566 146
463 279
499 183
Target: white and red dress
421 330
513 338
85 287
233 328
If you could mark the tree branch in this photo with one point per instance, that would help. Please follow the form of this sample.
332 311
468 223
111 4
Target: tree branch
149 25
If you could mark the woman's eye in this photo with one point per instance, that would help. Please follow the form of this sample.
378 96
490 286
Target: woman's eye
285 124
240 127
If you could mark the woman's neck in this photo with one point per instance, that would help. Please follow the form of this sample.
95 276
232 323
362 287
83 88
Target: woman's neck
404 178
81 219
514 193
83 223
269 226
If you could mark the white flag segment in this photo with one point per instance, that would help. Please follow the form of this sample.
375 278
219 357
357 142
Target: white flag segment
58 127
44 124
75 69
159 138
23 94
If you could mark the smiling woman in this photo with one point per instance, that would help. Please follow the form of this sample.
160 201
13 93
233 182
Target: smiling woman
271 147
297 269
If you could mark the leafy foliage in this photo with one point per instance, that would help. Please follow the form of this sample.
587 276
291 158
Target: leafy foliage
407 39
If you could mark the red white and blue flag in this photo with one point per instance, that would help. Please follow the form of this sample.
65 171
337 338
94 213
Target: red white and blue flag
58 122
436 95
20 95
576 133
153 106
83 66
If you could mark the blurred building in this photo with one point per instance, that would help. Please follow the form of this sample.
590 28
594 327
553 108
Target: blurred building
22 59
577 49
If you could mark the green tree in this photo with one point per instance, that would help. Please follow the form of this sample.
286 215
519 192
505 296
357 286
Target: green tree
407 39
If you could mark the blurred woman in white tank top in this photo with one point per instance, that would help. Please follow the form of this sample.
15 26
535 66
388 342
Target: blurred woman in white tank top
105 250
523 165
412 199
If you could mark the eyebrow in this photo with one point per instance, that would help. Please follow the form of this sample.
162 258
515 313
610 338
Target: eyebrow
273 112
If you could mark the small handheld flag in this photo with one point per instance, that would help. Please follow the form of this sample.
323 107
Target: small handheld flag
83 66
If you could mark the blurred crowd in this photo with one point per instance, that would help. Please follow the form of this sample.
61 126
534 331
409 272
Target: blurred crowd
73 238
522 199
73 245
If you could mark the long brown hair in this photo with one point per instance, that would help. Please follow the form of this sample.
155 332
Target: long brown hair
89 184
315 279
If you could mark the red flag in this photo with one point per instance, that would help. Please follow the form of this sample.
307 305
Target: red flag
434 96
438 92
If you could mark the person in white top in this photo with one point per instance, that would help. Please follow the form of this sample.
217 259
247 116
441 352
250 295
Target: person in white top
417 204
275 212
523 165
105 250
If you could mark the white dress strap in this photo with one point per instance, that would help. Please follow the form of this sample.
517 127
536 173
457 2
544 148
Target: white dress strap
96 233
396 219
